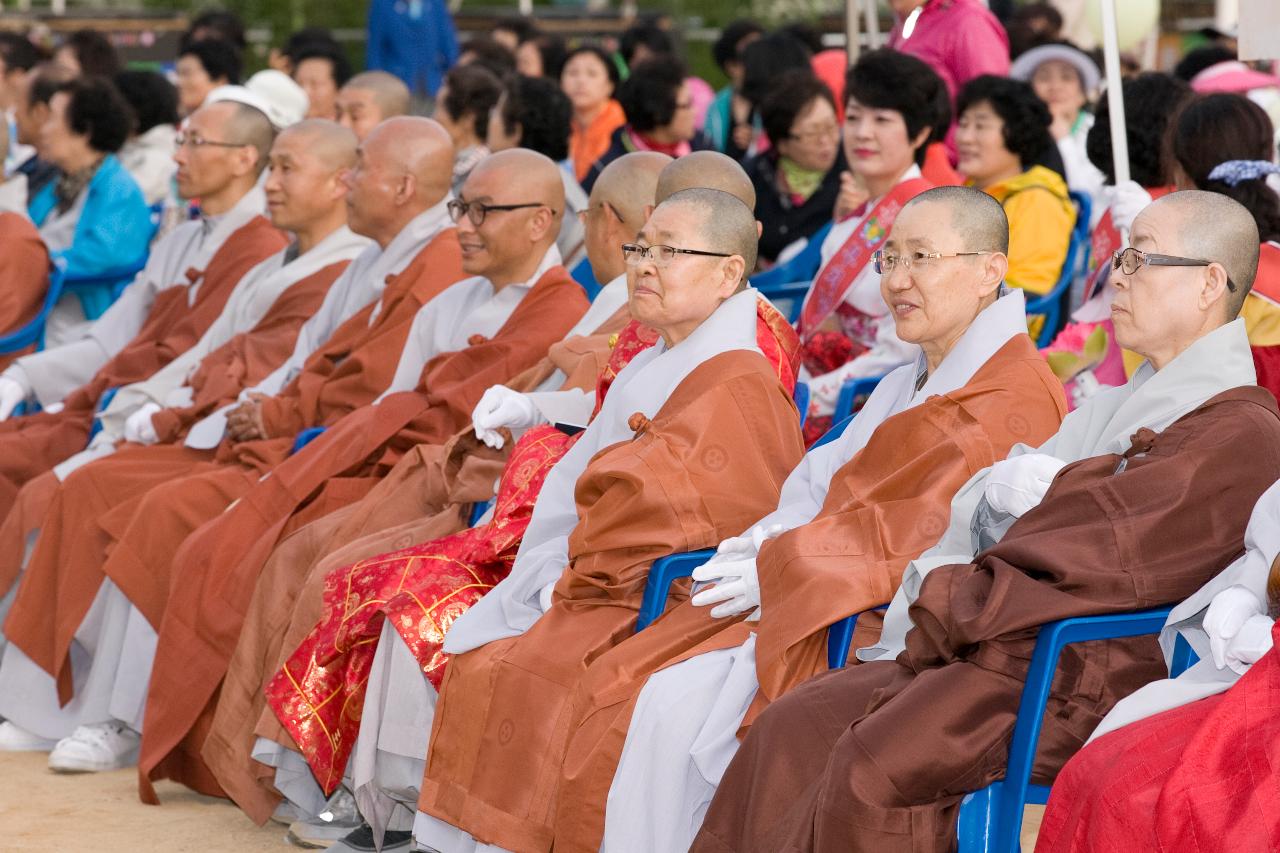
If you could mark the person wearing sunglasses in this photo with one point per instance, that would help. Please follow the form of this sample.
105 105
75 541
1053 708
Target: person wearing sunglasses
1141 497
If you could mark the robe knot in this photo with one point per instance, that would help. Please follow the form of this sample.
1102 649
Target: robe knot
476 340
1141 442
193 274
638 423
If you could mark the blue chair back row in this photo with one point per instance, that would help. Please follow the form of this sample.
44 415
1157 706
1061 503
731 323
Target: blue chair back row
1052 306
32 332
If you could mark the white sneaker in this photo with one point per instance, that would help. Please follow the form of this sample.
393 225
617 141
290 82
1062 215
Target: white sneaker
90 749
333 824
15 739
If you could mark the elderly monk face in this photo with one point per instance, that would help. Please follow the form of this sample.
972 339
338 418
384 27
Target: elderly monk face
358 110
676 295
204 167
301 187
373 184
933 290
1161 308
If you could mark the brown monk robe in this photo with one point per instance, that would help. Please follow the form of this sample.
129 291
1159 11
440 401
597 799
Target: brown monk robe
879 756
425 497
221 561
24 277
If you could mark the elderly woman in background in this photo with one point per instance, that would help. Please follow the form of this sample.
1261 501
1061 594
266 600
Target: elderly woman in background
660 115
202 67
590 80
1065 79
148 153
321 70
463 104
1003 141
93 216
541 55
533 113
798 179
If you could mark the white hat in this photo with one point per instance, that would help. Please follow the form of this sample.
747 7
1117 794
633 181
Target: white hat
1026 64
288 102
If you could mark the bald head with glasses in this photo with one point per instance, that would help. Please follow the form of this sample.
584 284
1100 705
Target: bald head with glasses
220 153
1190 264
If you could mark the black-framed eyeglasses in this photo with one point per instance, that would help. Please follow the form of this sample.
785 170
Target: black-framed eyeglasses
583 214
634 253
477 211
182 140
1130 260
885 263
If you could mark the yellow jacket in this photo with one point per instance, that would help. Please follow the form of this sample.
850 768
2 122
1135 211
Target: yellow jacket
1041 216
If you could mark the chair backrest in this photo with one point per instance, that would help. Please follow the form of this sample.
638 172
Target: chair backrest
1052 306
32 332
801 396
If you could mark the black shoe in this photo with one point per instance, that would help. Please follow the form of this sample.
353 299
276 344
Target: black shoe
360 840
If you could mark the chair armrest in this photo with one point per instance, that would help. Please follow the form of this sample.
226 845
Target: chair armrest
478 509
304 438
662 574
851 390
840 637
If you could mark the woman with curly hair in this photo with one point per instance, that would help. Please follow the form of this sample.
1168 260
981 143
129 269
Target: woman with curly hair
1006 150
463 104
93 216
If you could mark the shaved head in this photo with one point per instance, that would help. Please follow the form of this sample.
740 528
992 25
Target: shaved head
525 176
419 147
250 126
330 142
707 170
629 184
389 91
1214 227
726 223
976 216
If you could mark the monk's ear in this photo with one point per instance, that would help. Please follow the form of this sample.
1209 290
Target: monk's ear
995 266
1213 290
406 188
542 220
734 270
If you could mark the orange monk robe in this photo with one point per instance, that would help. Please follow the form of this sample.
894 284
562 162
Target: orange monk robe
427 495
214 572
421 596
33 444
886 505
348 371
24 276
710 462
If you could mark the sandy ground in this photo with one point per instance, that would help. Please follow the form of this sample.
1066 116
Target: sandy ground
47 812
43 811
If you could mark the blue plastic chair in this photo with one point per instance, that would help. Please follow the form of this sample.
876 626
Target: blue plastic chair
789 282
851 390
668 570
586 277
1052 305
801 396
991 819
840 637
103 402
97 292
32 332
304 438
478 510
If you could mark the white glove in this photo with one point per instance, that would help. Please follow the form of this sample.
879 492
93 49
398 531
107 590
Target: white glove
138 427
502 407
1239 631
1127 201
737 585
1019 484
11 394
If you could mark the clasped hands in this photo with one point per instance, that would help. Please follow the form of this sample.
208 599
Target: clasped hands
244 422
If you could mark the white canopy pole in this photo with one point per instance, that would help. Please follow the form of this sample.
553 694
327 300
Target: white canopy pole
1115 92
872 22
851 29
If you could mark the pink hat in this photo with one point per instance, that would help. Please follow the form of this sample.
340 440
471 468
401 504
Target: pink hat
1232 76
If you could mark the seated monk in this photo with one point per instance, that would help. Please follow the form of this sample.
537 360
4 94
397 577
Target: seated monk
397 197
1192 756
427 495
305 188
850 518
336 655
370 98
1137 501
188 278
24 261
482 331
715 435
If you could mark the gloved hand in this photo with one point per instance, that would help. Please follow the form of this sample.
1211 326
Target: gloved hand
11 394
502 407
1019 484
138 427
1127 201
737 585
1238 628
